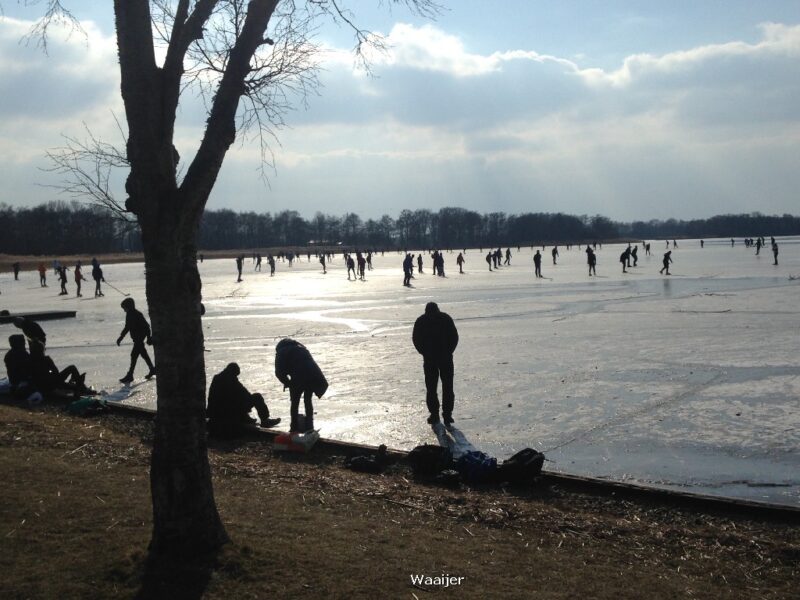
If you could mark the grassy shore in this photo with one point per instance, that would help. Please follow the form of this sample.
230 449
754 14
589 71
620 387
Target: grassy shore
75 521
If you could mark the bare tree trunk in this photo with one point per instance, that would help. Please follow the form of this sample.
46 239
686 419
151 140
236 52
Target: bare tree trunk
185 518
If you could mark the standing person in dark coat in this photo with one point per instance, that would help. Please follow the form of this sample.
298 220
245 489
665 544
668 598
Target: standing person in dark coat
435 337
15 266
229 405
296 369
775 251
32 330
591 259
624 258
537 264
97 275
139 328
239 261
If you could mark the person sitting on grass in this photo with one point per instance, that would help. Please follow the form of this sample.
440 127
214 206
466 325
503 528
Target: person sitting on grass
18 366
47 378
230 403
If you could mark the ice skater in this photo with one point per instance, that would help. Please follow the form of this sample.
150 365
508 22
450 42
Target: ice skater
667 260
78 278
537 264
591 259
42 275
407 268
139 328
97 275
624 258
554 252
296 369
634 255
239 261
775 251
435 337
460 262
489 261
15 266
62 278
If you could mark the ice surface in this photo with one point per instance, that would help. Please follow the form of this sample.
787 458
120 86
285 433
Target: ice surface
688 381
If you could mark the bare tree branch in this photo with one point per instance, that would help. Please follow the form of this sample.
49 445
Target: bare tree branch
55 15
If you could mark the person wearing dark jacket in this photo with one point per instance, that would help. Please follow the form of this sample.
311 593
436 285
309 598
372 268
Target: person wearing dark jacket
139 328
435 337
229 405
296 369
47 377
18 364
32 330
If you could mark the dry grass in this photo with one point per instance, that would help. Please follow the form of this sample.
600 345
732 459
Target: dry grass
75 521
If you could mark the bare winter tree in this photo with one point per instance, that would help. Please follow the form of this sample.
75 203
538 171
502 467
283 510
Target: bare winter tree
247 58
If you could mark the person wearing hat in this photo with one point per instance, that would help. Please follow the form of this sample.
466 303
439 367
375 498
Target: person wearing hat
230 403
139 328
435 337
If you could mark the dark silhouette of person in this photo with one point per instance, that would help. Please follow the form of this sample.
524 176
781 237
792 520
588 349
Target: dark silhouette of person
508 257
758 246
537 264
419 263
634 255
139 328
18 366
591 259
732 242
15 266
271 261
489 260
202 257
554 252
647 249
296 369
62 278
42 275
667 260
624 258
79 278
239 261
322 262
407 267
258 263
460 262
97 275
362 265
775 251
439 262
33 331
435 337
47 377
702 244
229 405
351 266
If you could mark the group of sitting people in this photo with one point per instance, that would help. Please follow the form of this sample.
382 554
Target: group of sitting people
32 373
230 403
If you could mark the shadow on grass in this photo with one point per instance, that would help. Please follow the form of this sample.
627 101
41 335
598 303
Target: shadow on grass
180 577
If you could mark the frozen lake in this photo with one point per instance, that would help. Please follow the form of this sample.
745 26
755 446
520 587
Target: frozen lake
690 381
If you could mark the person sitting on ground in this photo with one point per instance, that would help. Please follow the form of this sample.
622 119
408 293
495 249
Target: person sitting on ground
48 378
296 369
229 405
18 366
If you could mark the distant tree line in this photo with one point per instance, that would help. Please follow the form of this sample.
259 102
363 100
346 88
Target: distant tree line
59 228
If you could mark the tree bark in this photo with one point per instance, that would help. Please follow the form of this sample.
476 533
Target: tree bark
185 517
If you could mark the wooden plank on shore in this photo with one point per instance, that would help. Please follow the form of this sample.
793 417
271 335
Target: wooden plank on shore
50 315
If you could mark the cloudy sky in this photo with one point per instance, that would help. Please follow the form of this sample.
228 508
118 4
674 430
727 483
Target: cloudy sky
634 110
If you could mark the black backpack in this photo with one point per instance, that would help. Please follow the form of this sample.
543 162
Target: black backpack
429 460
521 468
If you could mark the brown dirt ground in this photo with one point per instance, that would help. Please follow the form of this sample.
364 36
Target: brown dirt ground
75 521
